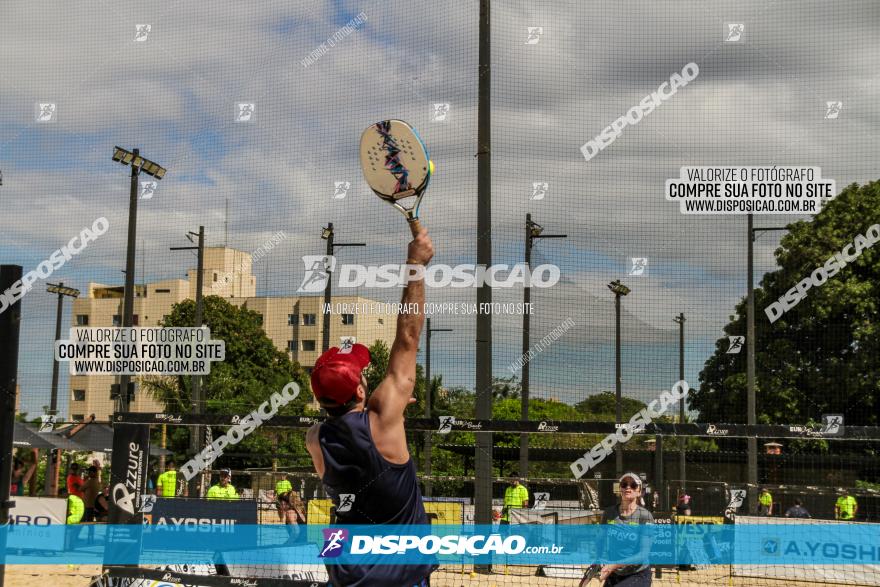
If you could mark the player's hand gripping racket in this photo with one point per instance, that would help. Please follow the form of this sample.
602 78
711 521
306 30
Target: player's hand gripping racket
592 572
396 166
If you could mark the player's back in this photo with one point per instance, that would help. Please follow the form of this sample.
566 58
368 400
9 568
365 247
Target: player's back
367 489
382 492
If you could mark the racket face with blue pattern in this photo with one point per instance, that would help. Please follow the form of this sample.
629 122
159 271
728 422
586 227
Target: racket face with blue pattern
396 165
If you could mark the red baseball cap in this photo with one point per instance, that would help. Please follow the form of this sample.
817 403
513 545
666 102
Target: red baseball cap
337 373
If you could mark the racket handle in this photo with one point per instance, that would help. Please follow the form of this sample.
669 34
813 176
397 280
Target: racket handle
415 226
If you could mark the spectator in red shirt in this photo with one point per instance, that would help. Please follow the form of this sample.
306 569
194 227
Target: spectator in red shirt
75 481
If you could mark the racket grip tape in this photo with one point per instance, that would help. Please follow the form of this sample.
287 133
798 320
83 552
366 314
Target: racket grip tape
415 226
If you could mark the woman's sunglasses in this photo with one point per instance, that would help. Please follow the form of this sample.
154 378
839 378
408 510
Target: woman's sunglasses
625 485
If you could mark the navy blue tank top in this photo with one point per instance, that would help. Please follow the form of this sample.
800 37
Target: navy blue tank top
374 491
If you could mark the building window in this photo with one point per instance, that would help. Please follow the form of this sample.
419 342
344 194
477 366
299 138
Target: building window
308 345
79 395
82 319
215 277
134 319
347 319
309 320
292 319
381 321
117 321
77 417
291 345
163 291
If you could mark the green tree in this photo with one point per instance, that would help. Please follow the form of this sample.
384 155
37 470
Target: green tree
821 355
601 407
252 370
375 373
504 388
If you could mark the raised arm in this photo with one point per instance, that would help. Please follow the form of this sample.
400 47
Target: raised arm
391 397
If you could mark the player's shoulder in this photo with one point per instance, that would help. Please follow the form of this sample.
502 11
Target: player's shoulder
312 433
644 515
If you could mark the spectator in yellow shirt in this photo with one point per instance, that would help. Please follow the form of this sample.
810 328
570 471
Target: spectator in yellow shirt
282 487
76 508
515 496
846 507
224 489
765 503
166 484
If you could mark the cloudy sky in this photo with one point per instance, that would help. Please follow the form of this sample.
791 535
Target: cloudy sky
757 101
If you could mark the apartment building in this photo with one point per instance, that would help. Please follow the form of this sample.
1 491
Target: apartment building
293 323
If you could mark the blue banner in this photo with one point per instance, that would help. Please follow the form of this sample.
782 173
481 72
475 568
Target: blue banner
190 543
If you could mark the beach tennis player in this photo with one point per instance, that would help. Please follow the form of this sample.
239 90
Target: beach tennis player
631 547
360 452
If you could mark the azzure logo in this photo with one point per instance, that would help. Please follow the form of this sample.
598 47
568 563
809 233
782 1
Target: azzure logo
545 427
713 430
125 494
333 542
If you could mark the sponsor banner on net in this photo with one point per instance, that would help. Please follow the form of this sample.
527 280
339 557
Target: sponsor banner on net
786 543
750 190
112 350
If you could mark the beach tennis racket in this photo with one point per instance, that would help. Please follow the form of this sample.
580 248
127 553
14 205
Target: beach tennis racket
396 165
591 573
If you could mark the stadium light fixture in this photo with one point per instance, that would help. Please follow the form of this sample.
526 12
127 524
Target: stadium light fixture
618 288
138 164
534 231
62 290
134 159
327 234
619 291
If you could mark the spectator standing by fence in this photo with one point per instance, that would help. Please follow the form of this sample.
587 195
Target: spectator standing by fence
846 507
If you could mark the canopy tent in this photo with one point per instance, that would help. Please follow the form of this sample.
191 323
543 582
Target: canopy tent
99 437
28 436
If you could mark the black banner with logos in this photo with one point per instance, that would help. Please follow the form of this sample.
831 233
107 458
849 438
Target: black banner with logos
128 472
830 429
162 576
